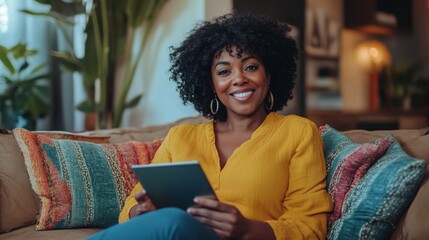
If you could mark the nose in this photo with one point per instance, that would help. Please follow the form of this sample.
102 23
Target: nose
239 78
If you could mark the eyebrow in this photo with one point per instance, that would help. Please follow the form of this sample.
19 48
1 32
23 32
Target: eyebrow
242 60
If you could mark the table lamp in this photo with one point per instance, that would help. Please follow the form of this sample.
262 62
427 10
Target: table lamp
373 55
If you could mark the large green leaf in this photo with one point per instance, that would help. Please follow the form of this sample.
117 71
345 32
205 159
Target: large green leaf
68 60
86 106
5 59
20 51
49 2
134 101
36 78
39 68
54 15
68 8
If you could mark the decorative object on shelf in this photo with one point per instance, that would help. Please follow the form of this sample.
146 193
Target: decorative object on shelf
373 56
26 95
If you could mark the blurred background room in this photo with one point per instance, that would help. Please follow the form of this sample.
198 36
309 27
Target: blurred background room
77 65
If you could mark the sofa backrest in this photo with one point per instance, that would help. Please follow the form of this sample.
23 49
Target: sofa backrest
144 134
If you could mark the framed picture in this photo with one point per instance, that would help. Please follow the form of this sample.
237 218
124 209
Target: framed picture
321 34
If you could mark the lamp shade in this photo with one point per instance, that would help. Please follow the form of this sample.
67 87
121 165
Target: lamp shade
372 55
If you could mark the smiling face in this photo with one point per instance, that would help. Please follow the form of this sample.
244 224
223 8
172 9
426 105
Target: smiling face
240 82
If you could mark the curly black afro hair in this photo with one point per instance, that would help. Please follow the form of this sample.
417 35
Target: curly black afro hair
255 34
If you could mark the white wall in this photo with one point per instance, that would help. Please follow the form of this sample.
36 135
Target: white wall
161 102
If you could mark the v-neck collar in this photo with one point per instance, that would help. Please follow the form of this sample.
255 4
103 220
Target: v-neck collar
212 138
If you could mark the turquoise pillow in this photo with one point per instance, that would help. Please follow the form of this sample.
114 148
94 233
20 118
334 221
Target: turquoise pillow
347 162
373 207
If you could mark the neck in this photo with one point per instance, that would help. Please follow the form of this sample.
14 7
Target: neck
237 123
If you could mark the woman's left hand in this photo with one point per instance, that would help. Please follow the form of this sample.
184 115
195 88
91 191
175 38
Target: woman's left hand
224 219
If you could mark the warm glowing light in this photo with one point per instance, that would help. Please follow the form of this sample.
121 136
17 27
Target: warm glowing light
4 17
372 55
373 52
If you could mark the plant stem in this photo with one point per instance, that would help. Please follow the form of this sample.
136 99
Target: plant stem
104 64
129 76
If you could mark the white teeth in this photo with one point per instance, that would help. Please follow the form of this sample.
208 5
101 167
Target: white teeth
242 95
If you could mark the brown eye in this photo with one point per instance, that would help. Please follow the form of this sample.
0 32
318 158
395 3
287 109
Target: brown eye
251 68
222 72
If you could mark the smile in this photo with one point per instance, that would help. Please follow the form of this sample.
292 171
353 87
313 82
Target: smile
242 95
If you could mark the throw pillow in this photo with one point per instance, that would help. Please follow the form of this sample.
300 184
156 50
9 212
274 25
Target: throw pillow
80 184
347 162
373 207
16 208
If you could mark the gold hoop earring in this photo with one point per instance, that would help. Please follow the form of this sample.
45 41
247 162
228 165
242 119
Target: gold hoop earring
270 104
214 100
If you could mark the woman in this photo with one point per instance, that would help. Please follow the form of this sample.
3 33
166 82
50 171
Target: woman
267 170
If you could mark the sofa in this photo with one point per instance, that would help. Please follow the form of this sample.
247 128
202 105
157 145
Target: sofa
19 206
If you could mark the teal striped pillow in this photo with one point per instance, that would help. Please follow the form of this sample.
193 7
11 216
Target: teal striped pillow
373 207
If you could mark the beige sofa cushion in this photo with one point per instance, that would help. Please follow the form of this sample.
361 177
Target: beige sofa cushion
414 141
144 134
17 202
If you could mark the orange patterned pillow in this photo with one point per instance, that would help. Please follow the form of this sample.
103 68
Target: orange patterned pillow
80 184
16 208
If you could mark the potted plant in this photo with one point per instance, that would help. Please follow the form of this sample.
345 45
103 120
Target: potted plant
111 42
24 97
406 85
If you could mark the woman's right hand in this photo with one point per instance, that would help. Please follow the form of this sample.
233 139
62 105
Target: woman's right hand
144 204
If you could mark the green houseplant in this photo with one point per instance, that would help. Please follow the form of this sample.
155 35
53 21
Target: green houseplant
111 41
24 97
407 86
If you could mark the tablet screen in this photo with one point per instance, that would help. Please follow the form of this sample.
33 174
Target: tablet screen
173 184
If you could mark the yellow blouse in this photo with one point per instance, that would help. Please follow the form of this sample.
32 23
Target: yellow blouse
277 176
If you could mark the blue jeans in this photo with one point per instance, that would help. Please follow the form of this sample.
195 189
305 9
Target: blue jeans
162 224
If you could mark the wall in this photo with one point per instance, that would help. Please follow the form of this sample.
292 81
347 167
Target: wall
161 102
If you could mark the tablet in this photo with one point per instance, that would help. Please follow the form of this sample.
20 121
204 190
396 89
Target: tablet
173 184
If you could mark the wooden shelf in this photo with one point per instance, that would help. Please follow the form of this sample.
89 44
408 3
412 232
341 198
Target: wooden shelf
367 16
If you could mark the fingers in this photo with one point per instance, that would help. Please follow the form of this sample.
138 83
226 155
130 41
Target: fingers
211 203
210 214
145 204
141 196
225 220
